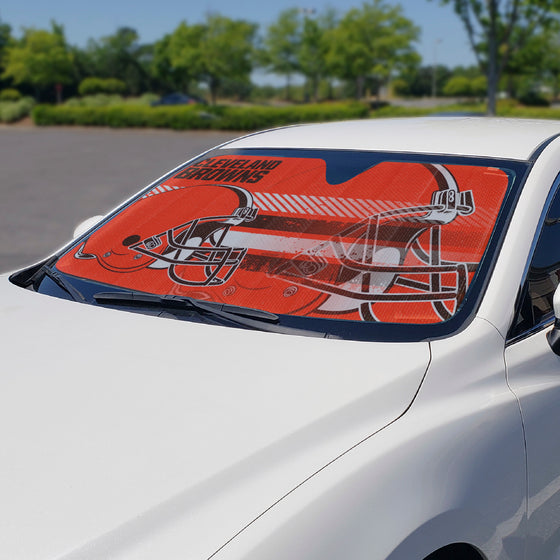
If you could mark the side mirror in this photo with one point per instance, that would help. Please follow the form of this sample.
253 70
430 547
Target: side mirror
88 223
554 335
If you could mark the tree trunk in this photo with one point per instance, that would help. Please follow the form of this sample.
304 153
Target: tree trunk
58 91
214 83
510 86
315 89
360 82
492 87
492 60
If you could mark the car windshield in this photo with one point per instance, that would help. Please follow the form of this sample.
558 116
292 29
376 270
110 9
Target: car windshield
340 238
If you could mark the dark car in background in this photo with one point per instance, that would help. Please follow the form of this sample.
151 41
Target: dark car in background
178 98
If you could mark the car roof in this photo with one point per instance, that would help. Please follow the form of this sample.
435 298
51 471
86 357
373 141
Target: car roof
471 136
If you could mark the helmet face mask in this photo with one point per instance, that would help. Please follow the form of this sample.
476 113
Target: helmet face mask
373 257
194 252
369 272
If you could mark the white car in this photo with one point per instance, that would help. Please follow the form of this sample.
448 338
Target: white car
322 342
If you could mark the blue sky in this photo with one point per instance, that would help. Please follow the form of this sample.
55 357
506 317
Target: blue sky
442 32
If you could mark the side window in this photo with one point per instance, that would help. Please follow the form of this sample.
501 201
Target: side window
544 275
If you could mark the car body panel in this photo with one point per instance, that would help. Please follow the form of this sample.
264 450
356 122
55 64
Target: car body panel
134 437
452 469
137 426
498 303
500 138
534 375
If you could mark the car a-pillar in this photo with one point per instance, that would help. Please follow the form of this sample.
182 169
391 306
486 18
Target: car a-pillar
554 335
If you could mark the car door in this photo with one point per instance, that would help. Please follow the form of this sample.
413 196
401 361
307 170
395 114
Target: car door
534 375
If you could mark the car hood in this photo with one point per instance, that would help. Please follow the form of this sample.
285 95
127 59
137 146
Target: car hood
128 436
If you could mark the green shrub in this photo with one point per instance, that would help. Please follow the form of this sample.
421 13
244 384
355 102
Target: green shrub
533 99
457 86
119 116
92 86
506 104
12 111
396 111
144 99
106 100
10 94
97 100
441 110
530 112
479 86
400 87
186 117
259 117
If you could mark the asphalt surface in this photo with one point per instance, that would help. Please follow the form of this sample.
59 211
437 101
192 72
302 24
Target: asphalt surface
53 178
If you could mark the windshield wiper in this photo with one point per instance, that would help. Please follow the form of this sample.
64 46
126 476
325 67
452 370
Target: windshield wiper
179 302
61 282
256 319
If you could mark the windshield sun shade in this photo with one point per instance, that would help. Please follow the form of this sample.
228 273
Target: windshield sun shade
393 241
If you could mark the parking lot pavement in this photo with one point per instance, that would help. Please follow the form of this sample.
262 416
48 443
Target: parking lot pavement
53 178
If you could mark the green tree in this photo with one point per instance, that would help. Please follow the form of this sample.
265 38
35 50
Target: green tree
313 48
220 49
41 58
5 40
370 43
550 61
161 70
538 63
178 55
83 66
417 81
123 57
226 51
497 30
166 68
281 46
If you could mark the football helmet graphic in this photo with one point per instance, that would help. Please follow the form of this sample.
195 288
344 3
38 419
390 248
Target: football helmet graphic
194 252
391 256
